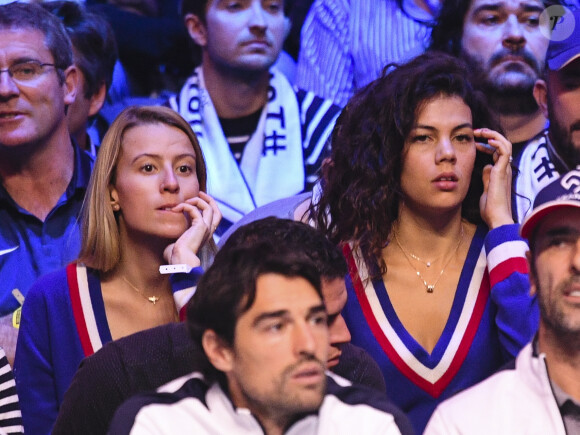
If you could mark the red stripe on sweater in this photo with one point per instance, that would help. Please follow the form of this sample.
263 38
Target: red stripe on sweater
506 268
433 389
75 297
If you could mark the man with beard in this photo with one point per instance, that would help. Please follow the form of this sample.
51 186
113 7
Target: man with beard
506 46
540 392
558 96
259 316
504 43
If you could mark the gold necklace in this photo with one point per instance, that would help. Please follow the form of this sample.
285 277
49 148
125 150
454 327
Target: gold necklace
429 287
415 257
152 299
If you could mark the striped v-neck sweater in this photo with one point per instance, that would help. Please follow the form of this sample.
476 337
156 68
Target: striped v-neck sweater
63 321
492 317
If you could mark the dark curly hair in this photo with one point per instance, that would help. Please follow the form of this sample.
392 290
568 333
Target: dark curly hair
362 180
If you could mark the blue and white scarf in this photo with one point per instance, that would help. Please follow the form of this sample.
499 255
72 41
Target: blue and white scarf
272 165
538 165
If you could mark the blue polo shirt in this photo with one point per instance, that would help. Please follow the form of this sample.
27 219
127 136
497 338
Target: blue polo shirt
29 247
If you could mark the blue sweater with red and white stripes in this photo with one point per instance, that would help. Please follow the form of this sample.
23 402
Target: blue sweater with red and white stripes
492 317
64 320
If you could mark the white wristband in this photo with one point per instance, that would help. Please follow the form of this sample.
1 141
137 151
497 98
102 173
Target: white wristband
174 268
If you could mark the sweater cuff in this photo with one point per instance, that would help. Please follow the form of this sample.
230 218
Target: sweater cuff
506 253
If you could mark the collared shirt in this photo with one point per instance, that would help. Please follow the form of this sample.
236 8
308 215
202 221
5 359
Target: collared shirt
30 247
569 409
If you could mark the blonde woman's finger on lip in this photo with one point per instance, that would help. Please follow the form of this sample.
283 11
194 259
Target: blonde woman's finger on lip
217 214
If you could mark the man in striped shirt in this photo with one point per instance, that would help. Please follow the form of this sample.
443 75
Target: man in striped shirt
345 44
10 415
262 139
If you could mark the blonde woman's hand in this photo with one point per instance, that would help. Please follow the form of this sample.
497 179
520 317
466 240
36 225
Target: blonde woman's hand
204 217
495 202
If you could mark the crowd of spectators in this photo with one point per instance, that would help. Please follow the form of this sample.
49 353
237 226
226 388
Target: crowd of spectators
290 216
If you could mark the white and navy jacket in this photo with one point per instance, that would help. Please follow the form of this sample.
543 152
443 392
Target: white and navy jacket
516 400
189 405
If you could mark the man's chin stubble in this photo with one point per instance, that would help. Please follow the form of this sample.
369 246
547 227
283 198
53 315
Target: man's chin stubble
511 101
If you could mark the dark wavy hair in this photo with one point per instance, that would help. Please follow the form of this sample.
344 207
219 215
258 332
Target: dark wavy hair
228 288
362 180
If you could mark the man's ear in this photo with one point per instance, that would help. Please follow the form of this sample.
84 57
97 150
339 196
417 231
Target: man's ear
532 273
71 84
98 99
197 29
541 96
218 352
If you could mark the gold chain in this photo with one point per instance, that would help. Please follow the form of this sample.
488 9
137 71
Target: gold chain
429 287
152 299
415 257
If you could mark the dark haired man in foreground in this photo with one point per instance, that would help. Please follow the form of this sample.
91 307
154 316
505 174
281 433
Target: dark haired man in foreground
259 317
149 359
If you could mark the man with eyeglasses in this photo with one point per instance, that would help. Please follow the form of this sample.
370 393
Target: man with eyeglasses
43 173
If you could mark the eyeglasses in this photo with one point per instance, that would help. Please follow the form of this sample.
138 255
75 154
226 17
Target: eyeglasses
26 72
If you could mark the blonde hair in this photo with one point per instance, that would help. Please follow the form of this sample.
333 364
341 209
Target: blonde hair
100 246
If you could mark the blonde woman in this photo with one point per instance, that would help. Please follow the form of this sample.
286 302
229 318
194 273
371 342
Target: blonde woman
146 212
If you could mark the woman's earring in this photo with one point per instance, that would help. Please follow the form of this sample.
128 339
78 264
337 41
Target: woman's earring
116 207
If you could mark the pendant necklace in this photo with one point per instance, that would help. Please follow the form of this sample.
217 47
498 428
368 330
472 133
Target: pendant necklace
413 256
408 255
152 299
